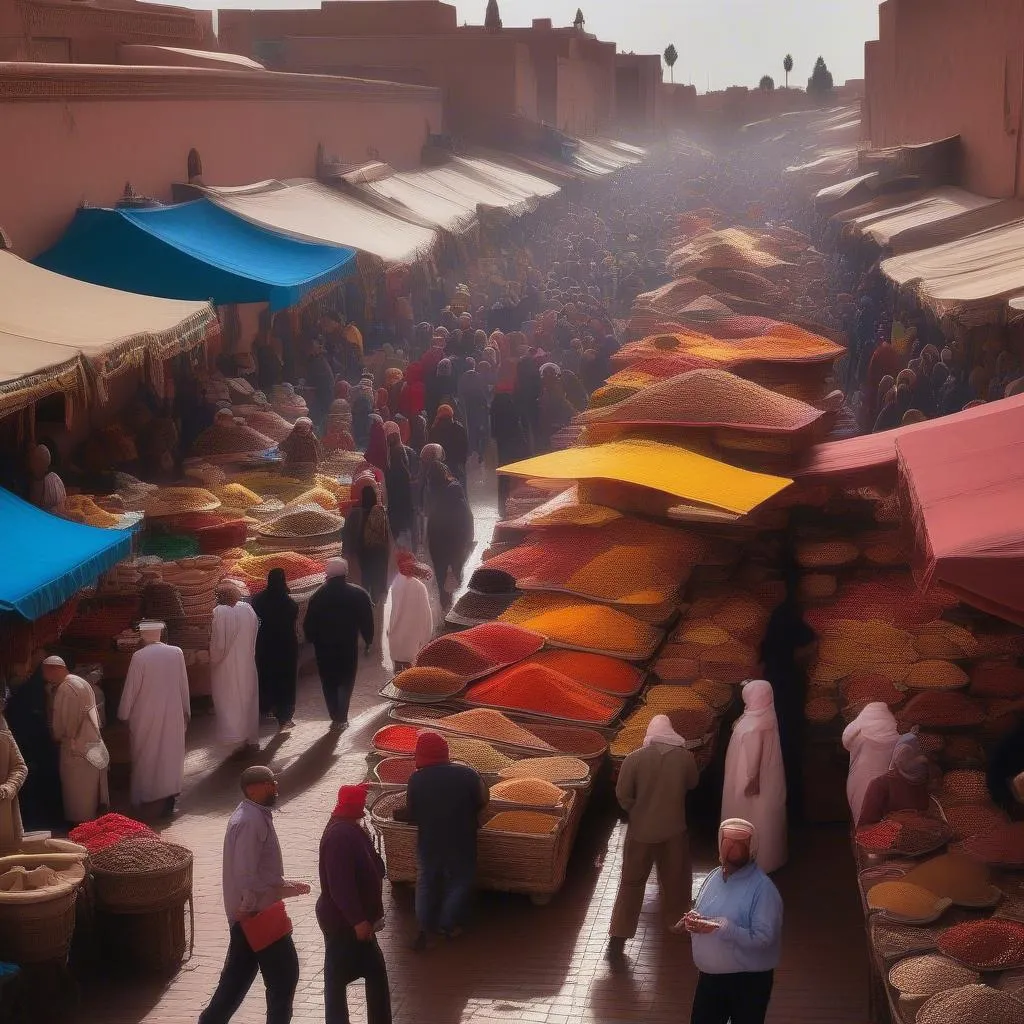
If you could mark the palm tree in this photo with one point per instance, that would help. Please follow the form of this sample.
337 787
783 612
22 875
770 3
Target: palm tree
670 59
787 66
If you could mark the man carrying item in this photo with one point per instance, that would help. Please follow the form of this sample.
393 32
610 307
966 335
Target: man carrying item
234 681
443 801
736 931
253 883
84 759
338 614
350 910
652 787
155 704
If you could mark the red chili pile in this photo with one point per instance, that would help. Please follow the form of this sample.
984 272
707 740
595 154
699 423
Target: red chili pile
105 831
991 945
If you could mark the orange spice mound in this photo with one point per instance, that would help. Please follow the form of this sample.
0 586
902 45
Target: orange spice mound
435 682
539 690
593 670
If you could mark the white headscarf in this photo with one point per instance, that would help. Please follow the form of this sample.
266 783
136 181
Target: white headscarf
759 704
740 825
660 731
336 567
876 723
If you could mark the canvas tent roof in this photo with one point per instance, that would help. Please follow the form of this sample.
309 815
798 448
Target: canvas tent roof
901 214
503 174
982 268
453 180
311 212
194 251
965 477
661 467
927 236
47 559
55 331
448 211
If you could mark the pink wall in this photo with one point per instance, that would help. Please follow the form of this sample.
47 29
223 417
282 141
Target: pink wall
941 68
68 149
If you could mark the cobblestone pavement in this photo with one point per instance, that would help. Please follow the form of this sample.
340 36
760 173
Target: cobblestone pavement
517 962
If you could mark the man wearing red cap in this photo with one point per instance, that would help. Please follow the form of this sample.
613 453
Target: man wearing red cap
444 801
350 910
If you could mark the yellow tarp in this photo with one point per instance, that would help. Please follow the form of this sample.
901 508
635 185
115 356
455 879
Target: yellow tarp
661 467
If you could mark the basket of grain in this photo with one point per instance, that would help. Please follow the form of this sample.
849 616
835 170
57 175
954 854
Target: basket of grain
37 905
523 850
142 874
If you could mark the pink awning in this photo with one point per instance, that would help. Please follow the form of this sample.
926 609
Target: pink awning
965 478
854 461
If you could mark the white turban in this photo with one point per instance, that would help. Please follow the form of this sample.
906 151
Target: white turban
740 826
337 567
55 662
660 731
150 629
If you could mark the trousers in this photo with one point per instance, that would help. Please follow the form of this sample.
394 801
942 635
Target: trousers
675 882
337 685
279 965
737 998
443 892
346 959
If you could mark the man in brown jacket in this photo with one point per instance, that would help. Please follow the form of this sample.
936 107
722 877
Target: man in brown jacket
652 788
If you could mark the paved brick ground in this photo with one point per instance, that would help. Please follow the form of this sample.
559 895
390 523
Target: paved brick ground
517 962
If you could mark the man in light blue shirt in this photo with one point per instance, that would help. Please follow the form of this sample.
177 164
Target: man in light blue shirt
736 929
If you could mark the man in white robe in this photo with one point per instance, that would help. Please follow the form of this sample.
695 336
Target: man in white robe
155 704
755 778
411 623
84 758
234 681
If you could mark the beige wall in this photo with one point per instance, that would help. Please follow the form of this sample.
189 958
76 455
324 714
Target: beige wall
61 152
943 67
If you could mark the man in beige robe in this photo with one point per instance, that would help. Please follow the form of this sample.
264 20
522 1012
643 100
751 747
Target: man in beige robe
84 758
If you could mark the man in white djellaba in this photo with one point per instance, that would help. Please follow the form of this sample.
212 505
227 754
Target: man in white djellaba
234 680
75 724
155 704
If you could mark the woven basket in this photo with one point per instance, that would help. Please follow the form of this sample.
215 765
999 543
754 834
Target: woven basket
154 941
506 862
144 891
32 933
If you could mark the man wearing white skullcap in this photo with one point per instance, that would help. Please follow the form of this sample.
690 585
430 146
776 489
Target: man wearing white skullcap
155 704
736 932
338 614
84 758
233 676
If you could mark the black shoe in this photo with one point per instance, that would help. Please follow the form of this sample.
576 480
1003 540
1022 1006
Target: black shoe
168 809
339 724
419 944
616 948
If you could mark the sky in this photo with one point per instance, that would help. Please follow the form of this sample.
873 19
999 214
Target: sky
721 42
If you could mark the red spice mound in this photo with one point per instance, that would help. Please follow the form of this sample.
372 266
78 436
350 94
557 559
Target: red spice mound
597 671
862 688
105 831
396 771
907 832
997 679
480 649
940 709
539 690
991 945
1000 846
399 739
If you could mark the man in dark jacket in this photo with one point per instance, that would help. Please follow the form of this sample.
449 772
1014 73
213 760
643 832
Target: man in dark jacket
338 614
443 801
350 911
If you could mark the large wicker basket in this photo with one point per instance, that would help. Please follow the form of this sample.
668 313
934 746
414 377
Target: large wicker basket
35 932
506 861
144 891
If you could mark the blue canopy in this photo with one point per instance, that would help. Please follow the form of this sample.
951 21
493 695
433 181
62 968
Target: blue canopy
47 559
195 250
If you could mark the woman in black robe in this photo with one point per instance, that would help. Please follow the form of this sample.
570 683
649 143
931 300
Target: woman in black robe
277 648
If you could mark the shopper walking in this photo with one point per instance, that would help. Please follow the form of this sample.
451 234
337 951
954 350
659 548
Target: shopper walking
155 704
350 911
652 787
277 648
736 933
254 884
443 801
234 679
411 623
338 616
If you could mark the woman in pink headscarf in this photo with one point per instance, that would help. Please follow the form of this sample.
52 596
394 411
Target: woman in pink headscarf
755 779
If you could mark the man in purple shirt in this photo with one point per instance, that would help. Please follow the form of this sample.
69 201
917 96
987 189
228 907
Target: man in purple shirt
350 911
254 880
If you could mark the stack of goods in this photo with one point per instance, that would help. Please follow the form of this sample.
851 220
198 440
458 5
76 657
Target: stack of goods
230 440
178 501
580 625
302 572
907 833
98 834
82 508
38 892
213 531
264 420
142 886
301 527
690 713
288 404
